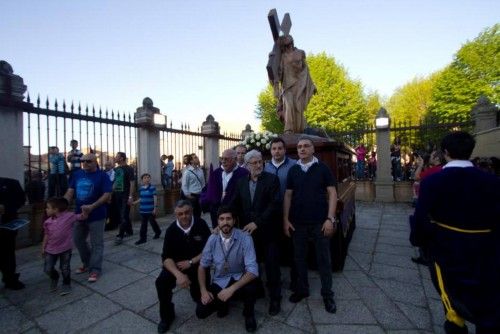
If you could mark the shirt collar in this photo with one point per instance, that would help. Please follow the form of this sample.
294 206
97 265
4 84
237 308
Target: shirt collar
458 163
306 166
186 231
277 164
223 238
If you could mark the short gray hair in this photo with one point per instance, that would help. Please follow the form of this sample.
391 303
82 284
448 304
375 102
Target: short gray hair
182 203
306 137
252 154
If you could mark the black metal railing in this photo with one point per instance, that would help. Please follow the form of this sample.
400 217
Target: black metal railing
103 132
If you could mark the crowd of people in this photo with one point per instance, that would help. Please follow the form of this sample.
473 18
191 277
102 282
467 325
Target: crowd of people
253 207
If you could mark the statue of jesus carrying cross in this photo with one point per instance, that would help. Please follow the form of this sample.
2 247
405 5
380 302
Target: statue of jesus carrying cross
288 73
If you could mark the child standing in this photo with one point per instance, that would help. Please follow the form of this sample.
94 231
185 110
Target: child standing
57 241
148 208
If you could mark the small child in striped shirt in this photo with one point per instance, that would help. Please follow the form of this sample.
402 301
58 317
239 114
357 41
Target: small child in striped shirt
148 208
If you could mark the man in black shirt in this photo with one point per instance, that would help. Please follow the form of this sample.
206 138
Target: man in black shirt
182 247
309 212
122 195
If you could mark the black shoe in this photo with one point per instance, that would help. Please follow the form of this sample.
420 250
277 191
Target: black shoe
157 235
223 311
451 328
164 326
330 306
250 324
128 234
14 285
274 307
420 260
140 241
297 297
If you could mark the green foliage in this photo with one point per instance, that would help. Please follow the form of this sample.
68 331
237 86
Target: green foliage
411 101
338 104
475 71
373 104
266 111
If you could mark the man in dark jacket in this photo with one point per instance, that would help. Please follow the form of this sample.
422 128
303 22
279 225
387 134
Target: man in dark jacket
458 219
11 199
256 203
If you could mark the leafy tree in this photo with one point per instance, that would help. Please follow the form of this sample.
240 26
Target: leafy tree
475 71
339 103
373 104
266 111
410 102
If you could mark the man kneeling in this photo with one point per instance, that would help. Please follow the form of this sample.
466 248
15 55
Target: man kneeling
232 254
184 241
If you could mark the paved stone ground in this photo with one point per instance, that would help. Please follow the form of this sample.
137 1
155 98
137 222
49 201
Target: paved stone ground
379 291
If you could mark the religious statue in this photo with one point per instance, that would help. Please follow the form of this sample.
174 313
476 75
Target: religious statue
289 75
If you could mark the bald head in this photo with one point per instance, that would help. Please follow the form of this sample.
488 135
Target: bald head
89 162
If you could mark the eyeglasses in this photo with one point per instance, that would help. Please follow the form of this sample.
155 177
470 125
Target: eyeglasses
87 161
255 163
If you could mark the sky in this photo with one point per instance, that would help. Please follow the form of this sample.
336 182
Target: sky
195 58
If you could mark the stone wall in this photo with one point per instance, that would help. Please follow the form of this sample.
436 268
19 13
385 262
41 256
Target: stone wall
487 143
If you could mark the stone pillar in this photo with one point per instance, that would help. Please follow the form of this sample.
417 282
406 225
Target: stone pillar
210 128
484 114
148 145
384 191
12 89
247 132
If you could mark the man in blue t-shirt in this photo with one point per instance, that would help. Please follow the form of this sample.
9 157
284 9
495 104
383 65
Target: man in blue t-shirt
91 189
309 212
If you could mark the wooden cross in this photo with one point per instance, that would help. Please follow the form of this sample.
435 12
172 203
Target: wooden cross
275 55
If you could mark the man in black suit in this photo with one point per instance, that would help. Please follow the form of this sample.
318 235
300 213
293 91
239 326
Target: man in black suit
11 199
256 203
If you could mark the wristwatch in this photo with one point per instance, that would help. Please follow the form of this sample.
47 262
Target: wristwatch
190 262
332 219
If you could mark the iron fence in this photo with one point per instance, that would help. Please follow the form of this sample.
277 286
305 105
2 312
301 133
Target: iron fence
425 135
103 132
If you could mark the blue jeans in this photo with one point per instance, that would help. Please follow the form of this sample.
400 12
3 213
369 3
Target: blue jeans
360 169
64 265
91 256
322 247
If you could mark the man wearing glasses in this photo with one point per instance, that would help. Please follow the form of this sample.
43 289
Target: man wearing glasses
222 184
256 203
91 189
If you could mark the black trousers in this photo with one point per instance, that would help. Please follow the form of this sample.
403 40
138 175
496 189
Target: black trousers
166 282
195 202
120 203
8 255
247 293
300 239
268 252
145 218
58 184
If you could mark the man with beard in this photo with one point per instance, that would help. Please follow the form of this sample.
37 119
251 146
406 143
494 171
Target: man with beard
232 254
256 203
